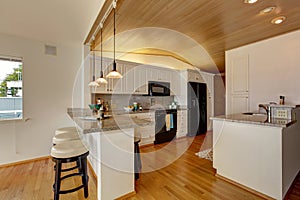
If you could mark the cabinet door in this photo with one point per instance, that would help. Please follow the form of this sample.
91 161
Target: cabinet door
164 75
140 80
239 104
209 112
208 79
129 79
198 77
182 123
175 83
240 71
118 84
195 76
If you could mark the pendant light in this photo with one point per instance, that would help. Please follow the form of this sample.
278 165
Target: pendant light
114 73
93 83
101 80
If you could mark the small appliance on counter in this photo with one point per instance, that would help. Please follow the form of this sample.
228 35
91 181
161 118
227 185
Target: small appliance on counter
173 105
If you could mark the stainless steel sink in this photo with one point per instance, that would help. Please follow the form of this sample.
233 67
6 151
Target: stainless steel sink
251 113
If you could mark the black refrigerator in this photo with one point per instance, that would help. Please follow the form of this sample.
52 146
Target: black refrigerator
197 108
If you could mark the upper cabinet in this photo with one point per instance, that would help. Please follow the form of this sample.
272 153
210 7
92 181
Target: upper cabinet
158 74
140 80
195 76
239 74
135 78
237 83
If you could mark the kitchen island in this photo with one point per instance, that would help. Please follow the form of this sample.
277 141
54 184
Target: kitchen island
111 146
260 154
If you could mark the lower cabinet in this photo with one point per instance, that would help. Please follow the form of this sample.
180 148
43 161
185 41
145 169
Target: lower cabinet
181 123
147 133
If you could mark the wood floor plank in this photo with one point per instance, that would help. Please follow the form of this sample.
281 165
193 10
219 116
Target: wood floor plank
188 177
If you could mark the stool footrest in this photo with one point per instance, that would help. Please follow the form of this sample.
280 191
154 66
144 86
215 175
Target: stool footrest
71 190
69 169
70 175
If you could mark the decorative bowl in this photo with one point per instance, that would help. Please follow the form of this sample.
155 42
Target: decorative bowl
127 109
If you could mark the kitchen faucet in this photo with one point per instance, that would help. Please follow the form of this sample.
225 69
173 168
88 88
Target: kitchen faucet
264 106
267 109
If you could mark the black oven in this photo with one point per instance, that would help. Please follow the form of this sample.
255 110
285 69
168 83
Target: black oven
165 131
158 88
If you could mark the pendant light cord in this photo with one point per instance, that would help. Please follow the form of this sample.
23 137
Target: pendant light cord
94 66
114 34
101 56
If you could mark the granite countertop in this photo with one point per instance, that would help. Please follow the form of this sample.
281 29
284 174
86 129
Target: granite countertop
116 121
258 119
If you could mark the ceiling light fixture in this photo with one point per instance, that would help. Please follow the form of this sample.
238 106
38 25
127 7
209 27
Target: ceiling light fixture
114 73
93 83
101 79
267 10
250 1
278 20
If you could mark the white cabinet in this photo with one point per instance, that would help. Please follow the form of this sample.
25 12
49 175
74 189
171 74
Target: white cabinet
239 74
129 79
147 133
140 80
181 123
118 84
158 74
209 80
237 83
194 76
175 83
239 103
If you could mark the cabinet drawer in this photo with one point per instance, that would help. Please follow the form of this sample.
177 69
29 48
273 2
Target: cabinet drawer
145 141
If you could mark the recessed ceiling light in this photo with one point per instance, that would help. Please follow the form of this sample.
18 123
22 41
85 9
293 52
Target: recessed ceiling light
268 10
278 20
250 1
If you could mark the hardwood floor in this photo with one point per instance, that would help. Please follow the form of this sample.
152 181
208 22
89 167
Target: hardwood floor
33 181
188 177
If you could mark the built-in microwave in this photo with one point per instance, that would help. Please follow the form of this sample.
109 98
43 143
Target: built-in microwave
158 88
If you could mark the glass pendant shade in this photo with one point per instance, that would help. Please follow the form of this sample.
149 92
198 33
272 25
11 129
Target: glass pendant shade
101 79
114 73
93 84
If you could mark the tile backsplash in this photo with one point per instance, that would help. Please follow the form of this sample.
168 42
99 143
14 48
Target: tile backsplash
118 101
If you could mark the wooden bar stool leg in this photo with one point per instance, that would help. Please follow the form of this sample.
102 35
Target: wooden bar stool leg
57 180
85 176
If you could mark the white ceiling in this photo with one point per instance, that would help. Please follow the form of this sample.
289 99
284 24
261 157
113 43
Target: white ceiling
49 21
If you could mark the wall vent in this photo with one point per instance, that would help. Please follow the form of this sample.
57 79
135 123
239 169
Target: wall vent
50 50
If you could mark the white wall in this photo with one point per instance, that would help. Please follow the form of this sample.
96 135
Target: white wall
48 87
274 69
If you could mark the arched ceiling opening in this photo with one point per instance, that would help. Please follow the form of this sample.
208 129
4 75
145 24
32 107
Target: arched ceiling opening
214 25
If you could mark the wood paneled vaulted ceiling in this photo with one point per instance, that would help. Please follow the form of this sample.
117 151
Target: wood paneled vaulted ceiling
183 27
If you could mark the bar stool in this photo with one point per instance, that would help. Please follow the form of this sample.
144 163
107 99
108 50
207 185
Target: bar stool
68 152
63 137
137 158
66 130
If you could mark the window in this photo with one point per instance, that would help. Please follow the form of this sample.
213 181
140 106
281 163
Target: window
11 87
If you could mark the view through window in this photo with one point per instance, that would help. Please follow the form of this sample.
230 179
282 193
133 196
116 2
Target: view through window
11 86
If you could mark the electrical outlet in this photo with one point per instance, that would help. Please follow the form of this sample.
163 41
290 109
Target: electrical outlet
282 114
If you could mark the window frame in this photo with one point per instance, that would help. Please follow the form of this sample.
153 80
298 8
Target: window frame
21 61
